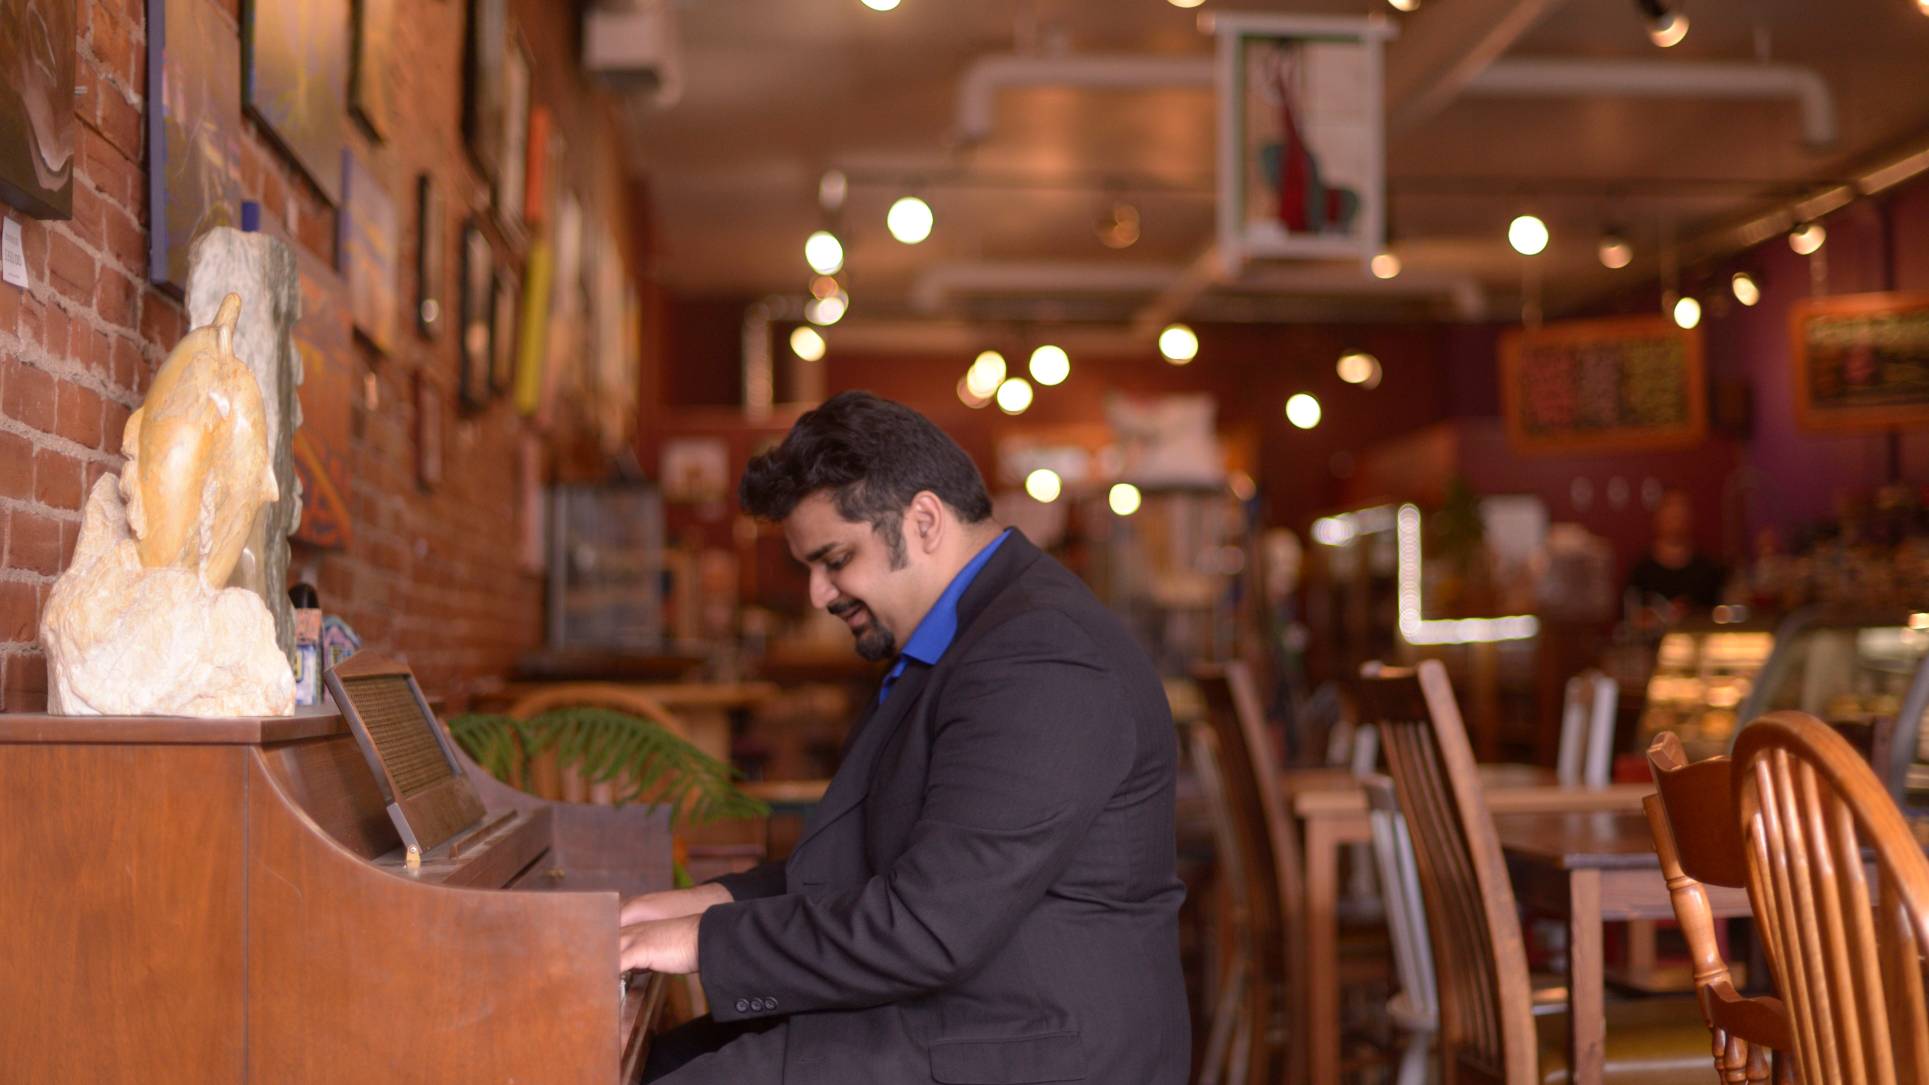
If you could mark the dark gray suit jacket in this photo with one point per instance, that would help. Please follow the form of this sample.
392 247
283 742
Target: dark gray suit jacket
987 892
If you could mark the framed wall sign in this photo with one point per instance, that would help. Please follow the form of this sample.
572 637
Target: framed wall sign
1861 361
193 132
1617 385
37 123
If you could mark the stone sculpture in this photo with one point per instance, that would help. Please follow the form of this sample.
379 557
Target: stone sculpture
143 622
262 269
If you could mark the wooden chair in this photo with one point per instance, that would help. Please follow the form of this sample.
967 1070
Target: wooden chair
1698 838
1487 1025
1413 1009
1847 955
1268 857
1587 730
1228 1040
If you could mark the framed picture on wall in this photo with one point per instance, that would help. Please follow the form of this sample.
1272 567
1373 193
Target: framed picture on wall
429 257
1301 137
502 332
371 69
193 132
1861 361
478 279
515 135
1623 384
482 78
329 393
37 42
295 81
370 232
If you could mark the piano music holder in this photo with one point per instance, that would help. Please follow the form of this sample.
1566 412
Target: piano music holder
430 797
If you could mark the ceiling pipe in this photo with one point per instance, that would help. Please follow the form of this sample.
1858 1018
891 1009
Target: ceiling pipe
940 285
1544 76
987 76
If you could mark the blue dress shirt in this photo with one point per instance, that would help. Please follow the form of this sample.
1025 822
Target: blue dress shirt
934 633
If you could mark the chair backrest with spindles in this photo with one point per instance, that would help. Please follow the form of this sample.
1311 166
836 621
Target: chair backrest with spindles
1268 852
1698 839
1840 888
1485 1001
1587 730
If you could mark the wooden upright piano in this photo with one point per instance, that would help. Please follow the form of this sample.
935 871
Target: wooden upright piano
203 901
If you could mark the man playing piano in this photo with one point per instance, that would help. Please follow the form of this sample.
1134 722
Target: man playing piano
987 891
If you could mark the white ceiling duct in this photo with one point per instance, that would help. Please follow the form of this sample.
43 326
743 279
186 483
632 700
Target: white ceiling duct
1542 77
978 91
632 45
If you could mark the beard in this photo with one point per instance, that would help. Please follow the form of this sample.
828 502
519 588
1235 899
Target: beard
874 641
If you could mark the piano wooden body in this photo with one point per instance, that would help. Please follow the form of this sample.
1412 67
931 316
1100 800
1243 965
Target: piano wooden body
206 901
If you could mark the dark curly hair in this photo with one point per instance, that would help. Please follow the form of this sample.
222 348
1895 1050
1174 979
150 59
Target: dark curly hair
873 456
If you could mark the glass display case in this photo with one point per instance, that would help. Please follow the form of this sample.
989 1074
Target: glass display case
1868 676
1704 673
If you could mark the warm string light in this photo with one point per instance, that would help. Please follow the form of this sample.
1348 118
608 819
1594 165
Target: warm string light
807 343
1044 485
1687 312
1050 365
1178 344
1747 291
909 220
827 311
1302 410
1014 395
824 253
987 372
1359 367
1615 252
1384 265
1528 235
1124 498
1806 238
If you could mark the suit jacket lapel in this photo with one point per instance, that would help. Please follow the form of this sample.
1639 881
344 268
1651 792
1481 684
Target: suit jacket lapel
852 780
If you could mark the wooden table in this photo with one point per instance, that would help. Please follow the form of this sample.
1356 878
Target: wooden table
1590 869
1330 807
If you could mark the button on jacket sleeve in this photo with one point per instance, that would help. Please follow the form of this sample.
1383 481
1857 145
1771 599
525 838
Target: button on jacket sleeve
1030 737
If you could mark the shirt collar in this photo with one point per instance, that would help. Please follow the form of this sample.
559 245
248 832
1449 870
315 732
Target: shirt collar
940 625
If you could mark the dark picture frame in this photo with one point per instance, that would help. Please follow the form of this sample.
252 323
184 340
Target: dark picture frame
430 257
38 125
295 81
478 278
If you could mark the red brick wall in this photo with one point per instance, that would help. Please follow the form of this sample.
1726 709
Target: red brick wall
431 576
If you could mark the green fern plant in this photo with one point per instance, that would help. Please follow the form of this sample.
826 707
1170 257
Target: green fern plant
645 761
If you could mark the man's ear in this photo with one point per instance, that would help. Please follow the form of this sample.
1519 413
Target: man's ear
924 522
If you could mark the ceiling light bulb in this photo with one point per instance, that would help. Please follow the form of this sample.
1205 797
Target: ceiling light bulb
1687 312
881 5
824 253
1014 395
1124 498
969 397
1923 6
1044 485
909 220
1050 365
1185 3
1807 237
1746 290
1667 30
1178 344
807 343
1615 251
1359 367
823 286
1404 5
1302 410
986 373
1385 265
1119 227
1528 235
831 189
827 311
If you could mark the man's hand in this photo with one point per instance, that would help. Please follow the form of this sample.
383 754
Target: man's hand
661 945
673 904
